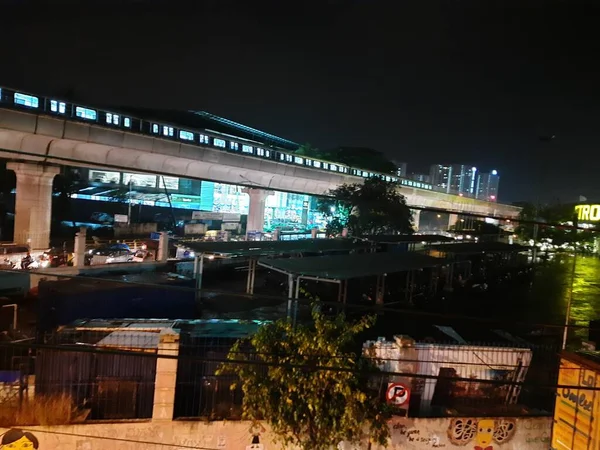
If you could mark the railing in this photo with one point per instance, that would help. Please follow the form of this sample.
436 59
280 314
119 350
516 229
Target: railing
10 98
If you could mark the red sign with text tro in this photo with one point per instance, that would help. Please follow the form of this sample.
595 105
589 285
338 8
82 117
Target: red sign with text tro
397 394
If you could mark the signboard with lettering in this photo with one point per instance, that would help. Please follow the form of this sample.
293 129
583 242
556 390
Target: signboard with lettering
206 215
576 402
588 213
231 217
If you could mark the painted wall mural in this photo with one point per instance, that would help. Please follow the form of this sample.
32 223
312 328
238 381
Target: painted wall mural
456 433
483 433
15 439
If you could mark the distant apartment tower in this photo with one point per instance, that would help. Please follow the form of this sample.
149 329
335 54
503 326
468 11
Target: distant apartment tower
401 172
487 186
439 176
423 178
463 179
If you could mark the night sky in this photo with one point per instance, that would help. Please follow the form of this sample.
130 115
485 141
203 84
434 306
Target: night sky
425 82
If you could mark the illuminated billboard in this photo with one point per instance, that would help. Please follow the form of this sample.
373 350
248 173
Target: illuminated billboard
172 183
102 176
139 179
588 213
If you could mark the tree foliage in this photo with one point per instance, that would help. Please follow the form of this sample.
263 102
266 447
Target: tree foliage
552 214
64 186
309 387
373 207
358 157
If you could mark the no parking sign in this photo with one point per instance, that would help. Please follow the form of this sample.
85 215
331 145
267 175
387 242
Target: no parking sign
397 394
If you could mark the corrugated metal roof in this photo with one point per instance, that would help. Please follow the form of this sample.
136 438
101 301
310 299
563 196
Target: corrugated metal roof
358 265
263 248
409 238
130 339
479 247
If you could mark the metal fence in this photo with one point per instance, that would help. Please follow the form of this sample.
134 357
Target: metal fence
112 380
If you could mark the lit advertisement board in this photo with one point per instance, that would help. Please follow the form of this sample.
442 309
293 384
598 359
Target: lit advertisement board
102 176
138 179
588 213
574 424
172 183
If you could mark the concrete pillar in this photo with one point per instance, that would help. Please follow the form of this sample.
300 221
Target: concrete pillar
79 249
33 203
416 216
452 220
276 234
256 210
163 247
313 233
166 375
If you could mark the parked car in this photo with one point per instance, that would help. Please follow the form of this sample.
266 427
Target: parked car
102 217
109 254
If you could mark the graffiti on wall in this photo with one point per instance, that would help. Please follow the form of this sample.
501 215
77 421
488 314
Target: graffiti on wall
15 439
255 430
483 434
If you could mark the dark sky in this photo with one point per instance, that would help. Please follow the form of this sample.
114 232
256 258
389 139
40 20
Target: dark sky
423 81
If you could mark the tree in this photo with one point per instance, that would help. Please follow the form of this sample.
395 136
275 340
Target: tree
309 387
373 207
65 185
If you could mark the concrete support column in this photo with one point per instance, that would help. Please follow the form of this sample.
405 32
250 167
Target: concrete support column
452 220
163 247
166 375
256 210
79 249
313 233
33 203
416 216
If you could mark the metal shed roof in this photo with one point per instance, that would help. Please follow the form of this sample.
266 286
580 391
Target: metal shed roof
358 265
480 247
264 248
408 238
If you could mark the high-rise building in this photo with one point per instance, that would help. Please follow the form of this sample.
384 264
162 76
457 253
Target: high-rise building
439 175
462 179
454 178
423 178
487 186
401 172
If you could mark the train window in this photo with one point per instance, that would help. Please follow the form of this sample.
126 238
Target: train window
260 151
167 131
203 139
298 160
186 135
26 100
155 128
326 166
308 162
234 145
247 149
85 113
268 153
288 158
317 164
113 119
332 167
219 143
58 107
127 122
